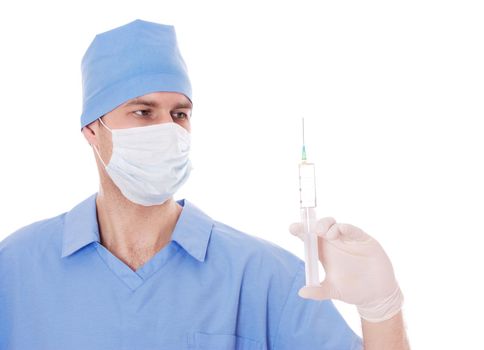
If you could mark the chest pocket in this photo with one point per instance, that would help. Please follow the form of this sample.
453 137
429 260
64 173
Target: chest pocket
206 341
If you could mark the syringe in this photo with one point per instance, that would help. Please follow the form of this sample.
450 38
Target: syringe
307 189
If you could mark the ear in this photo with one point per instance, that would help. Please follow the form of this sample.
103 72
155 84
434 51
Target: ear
90 132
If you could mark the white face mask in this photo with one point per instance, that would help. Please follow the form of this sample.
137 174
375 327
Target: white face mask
150 163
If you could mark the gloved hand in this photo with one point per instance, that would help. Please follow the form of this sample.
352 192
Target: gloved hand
358 271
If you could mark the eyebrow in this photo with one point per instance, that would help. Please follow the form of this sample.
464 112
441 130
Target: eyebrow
154 104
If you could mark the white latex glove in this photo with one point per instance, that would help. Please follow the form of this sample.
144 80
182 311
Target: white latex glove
358 271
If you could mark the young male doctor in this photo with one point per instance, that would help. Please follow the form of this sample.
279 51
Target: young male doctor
131 268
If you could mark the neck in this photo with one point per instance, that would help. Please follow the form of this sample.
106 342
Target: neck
132 232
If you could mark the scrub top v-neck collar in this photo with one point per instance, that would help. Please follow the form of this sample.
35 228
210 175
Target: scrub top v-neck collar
191 233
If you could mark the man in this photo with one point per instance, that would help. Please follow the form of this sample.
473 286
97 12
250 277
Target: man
130 268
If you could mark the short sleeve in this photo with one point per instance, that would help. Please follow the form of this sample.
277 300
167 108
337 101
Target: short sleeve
311 324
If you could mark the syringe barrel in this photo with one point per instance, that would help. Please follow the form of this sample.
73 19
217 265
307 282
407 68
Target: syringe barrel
311 256
307 185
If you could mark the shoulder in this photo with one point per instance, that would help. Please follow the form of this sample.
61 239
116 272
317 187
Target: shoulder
264 274
249 250
31 237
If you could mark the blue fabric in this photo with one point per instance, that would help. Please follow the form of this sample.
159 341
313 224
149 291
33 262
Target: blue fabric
212 287
129 61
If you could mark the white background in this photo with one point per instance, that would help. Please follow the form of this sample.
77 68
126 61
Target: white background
392 93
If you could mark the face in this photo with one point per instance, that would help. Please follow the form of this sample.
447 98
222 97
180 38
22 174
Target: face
149 109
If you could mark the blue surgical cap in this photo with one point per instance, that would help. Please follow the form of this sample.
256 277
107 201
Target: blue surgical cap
130 61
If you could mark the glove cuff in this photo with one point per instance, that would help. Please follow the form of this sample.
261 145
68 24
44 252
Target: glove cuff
383 309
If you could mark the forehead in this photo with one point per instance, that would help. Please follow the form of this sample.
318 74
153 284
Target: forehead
161 98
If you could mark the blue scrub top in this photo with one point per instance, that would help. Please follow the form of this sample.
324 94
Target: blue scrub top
212 287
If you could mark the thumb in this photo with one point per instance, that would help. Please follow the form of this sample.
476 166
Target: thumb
322 292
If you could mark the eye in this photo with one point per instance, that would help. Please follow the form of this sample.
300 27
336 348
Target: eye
142 114
180 115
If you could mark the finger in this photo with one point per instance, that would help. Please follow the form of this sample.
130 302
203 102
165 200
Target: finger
323 225
332 233
322 292
352 233
297 229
